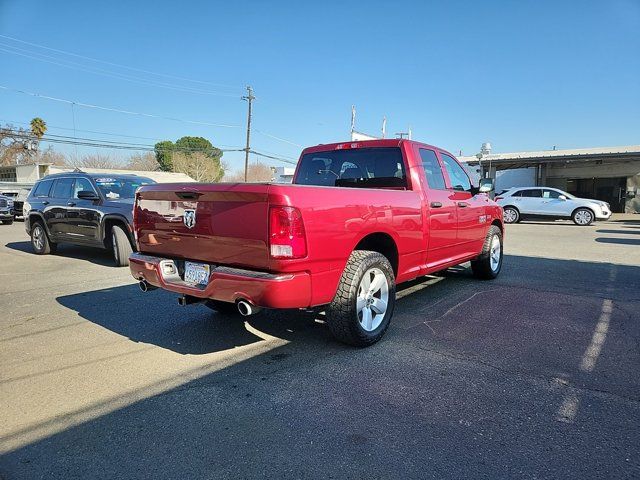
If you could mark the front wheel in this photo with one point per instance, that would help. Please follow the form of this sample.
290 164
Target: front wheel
488 264
121 246
583 217
8 222
361 311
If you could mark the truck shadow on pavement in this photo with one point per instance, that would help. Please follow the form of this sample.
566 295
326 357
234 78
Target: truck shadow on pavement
98 256
464 400
155 318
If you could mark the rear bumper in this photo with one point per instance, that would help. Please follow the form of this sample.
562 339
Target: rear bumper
269 290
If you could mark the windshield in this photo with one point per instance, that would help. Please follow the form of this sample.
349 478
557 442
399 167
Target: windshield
117 187
358 167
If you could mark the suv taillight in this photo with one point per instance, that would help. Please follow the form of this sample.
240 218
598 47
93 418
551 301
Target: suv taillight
287 238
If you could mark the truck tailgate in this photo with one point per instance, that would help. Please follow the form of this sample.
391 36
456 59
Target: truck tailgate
230 222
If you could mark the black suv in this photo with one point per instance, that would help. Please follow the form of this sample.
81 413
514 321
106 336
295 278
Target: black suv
85 209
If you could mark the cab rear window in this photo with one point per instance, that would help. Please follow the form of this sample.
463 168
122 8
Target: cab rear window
358 167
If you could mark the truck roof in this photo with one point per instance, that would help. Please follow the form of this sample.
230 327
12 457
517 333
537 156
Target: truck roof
385 142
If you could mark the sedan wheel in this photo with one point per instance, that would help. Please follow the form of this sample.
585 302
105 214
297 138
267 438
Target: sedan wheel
511 215
583 217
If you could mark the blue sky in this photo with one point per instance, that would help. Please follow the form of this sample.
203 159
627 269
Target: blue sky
521 74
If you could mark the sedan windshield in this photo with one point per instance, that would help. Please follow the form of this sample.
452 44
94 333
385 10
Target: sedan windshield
120 187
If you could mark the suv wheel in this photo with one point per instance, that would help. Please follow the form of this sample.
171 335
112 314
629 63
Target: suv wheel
511 215
40 240
582 217
360 312
489 263
121 246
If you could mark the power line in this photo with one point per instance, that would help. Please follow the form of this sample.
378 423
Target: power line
279 138
274 158
64 52
99 71
117 110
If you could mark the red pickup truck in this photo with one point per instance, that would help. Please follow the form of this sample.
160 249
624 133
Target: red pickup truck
359 218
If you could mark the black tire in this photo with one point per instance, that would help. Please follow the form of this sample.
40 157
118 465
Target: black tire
121 246
342 315
583 217
7 222
40 241
226 308
483 267
513 215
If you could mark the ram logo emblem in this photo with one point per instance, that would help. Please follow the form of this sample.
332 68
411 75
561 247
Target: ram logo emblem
189 218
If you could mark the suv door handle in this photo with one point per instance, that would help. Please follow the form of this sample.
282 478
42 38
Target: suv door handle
463 204
71 204
436 205
45 202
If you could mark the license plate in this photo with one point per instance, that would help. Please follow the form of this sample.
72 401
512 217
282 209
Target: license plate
196 273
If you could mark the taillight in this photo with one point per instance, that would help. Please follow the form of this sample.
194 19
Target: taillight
286 233
497 198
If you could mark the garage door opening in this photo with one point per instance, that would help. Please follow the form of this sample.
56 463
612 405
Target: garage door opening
610 190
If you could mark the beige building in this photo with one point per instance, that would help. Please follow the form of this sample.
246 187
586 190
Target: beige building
611 174
26 175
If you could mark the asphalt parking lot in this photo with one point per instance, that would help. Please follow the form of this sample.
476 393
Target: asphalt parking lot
533 375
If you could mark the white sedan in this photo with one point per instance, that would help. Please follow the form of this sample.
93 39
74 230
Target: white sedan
520 203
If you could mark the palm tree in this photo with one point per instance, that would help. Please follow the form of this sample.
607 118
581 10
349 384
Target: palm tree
38 127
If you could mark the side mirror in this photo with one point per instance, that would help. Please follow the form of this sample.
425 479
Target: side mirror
486 185
88 195
562 197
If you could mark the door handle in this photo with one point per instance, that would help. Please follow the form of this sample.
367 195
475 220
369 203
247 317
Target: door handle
463 204
71 204
45 203
436 205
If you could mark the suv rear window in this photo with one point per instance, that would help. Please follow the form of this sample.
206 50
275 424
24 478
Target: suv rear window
43 188
358 167
536 193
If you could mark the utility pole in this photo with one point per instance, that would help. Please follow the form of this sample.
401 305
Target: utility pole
249 98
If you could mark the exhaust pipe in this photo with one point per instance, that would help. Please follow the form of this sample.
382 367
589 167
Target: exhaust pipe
146 287
246 309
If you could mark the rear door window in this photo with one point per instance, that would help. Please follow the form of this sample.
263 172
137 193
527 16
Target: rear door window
432 169
62 188
534 193
43 188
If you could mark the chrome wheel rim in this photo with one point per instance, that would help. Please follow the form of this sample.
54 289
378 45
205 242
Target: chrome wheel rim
373 299
494 253
583 217
510 215
38 238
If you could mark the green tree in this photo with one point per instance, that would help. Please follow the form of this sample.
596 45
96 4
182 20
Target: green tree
164 155
38 127
168 152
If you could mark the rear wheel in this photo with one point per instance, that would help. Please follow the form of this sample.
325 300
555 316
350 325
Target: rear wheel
121 246
583 217
489 263
360 312
511 215
40 240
